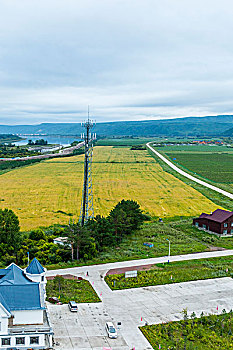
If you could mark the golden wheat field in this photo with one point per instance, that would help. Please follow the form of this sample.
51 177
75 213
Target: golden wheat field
45 193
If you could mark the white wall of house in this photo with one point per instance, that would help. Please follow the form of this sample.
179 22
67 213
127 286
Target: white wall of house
27 317
37 278
27 341
3 324
3 320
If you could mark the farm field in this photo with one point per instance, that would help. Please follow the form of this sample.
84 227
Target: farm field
213 163
123 141
50 192
215 167
199 148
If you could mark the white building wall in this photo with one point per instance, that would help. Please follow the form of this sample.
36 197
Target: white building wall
4 315
27 317
27 341
4 325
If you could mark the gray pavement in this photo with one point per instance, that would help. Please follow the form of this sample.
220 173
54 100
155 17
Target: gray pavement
134 307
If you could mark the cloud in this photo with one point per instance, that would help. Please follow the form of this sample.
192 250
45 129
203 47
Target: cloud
128 59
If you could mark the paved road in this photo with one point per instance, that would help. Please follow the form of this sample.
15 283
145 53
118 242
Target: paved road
103 268
203 183
62 153
133 307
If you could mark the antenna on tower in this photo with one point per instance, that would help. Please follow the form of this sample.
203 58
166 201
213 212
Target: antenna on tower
87 210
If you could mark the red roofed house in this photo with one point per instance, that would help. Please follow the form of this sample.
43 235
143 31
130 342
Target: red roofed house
220 221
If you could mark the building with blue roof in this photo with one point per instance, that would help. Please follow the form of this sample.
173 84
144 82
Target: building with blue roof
35 267
22 307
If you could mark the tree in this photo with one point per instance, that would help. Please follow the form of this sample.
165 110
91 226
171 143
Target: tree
126 217
88 248
118 218
37 235
101 230
77 236
41 142
9 228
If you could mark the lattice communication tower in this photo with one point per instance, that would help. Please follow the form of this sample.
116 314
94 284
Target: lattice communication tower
87 210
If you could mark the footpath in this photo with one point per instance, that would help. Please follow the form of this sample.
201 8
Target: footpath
133 308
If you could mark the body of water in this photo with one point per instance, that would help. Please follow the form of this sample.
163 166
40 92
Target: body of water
60 140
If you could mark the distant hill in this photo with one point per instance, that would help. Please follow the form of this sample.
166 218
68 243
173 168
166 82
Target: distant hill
190 126
228 132
9 138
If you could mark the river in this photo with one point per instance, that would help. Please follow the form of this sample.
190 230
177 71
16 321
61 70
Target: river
60 140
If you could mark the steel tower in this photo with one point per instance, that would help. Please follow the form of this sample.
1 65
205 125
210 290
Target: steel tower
87 210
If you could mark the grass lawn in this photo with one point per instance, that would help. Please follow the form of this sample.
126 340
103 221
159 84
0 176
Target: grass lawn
183 236
175 272
79 291
50 192
211 332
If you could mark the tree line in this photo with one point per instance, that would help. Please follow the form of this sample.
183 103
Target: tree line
82 242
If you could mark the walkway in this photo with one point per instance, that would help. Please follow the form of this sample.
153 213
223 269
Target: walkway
133 307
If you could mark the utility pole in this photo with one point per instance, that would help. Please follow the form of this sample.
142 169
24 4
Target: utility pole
169 250
87 210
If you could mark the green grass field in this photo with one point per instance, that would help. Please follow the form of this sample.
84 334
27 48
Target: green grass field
211 332
49 192
199 148
212 163
175 272
184 238
79 291
217 167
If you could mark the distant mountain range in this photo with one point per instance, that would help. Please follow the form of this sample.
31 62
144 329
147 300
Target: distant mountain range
228 132
221 125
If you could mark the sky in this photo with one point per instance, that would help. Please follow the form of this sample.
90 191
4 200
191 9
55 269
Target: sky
128 60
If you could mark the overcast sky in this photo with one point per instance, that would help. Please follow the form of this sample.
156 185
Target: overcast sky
127 59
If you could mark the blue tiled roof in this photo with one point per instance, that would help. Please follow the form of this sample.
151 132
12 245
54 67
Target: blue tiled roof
3 302
22 297
18 292
14 276
35 268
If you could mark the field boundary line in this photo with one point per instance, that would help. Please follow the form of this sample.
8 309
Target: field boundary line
193 178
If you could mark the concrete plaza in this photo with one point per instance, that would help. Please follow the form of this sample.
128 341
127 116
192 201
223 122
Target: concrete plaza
134 307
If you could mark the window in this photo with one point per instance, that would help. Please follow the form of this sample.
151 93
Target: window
34 340
204 226
225 224
196 224
6 341
232 224
20 340
232 232
225 232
